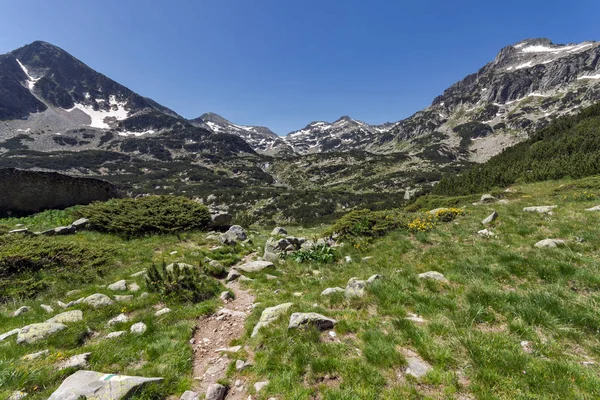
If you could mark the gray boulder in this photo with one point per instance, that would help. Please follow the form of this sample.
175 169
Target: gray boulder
98 300
330 291
254 266
490 218
68 316
321 322
47 308
487 198
550 243
216 392
118 286
80 223
232 275
36 332
595 208
9 334
78 361
433 275
270 315
118 319
189 395
416 366
138 328
21 310
235 234
97 385
64 230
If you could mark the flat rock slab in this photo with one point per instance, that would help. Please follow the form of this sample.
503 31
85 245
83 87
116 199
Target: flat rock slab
77 361
118 286
332 290
540 209
69 316
36 332
416 366
270 315
98 300
254 266
97 385
550 243
299 320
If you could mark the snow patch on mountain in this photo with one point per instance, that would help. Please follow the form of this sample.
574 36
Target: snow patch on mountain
99 117
31 81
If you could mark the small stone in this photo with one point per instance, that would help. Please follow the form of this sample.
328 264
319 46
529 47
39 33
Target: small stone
297 294
61 304
78 361
595 208
232 275
330 291
134 287
241 365
216 392
486 233
348 259
72 292
490 218
299 320
550 243
162 312
115 334
367 258
33 356
433 275
21 310
243 278
526 346
258 386
69 316
47 308
225 296
270 277
189 395
144 295
233 349
417 367
118 319
118 286
487 198
415 318
138 328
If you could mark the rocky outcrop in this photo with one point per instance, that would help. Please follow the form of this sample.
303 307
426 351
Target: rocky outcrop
28 192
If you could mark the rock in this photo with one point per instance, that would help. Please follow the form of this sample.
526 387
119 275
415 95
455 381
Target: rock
61 304
64 230
235 234
115 334
134 287
355 288
550 243
220 219
490 218
118 286
258 386
417 367
225 296
486 233
299 320
125 298
139 273
487 198
241 365
270 277
72 292
433 275
279 231
189 395
270 315
216 392
68 316
215 264
348 259
78 361
330 291
374 278
36 332
22 231
526 346
232 275
243 278
33 356
596 208
97 385
9 334
138 328
98 300
254 266
21 310
503 201
118 319
17 395
162 312
415 318
539 209
80 223
47 308
74 302
232 349
309 244
144 295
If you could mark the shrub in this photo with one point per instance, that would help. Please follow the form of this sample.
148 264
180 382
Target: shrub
421 224
320 253
448 214
181 284
370 223
151 214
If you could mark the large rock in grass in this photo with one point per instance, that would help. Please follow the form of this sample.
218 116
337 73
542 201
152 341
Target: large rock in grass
436 276
254 266
98 300
234 235
216 392
539 209
118 286
490 218
321 322
550 243
9 334
36 332
100 386
68 316
357 287
270 315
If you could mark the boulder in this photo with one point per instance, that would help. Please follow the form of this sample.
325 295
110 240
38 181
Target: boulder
220 219
21 310
118 319
270 315
254 266
355 288
162 311
550 243
36 332
241 365
9 334
433 275
78 361
115 334
225 296
134 287
309 244
216 392
486 233
118 286
97 385
490 218
80 223
138 328
189 395
279 231
330 291
232 275
595 208
21 231
98 300
348 259
47 308
233 235
416 366
487 198
321 322
34 356
258 386
68 316
539 209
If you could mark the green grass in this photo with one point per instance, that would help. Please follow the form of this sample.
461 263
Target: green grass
501 291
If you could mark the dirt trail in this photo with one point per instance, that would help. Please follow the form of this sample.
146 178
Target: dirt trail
212 354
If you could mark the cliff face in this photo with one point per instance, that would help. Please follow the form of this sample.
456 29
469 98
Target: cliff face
28 192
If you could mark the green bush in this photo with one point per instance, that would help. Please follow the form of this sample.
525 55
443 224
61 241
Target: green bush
370 223
29 265
181 284
146 215
320 253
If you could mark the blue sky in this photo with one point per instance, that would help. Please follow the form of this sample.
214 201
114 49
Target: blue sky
284 63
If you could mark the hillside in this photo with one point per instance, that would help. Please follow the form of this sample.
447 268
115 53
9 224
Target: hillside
505 319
